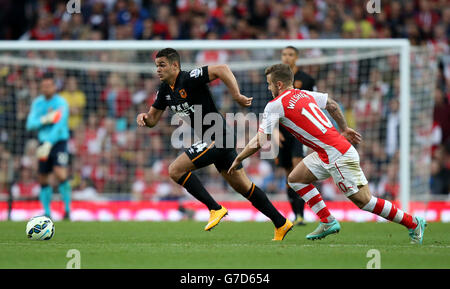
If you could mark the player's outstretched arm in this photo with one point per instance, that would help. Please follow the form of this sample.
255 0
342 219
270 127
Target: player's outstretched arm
224 73
150 118
251 148
33 119
336 113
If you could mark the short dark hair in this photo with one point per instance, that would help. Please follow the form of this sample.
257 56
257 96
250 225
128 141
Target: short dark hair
280 72
47 75
293 48
171 55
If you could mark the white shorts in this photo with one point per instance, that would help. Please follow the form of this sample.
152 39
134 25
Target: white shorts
346 171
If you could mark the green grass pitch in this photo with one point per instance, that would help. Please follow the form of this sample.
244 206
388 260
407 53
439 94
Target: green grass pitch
231 245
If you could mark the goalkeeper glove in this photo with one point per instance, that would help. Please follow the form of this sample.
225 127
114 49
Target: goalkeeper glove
43 151
51 117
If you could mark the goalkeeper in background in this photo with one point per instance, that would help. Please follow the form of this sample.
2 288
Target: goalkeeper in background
49 115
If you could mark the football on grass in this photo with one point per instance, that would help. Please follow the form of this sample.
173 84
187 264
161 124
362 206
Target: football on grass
40 228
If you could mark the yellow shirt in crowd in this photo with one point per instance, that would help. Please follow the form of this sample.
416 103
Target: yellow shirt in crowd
77 102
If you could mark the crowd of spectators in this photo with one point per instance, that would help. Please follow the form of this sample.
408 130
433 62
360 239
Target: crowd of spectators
110 154
418 20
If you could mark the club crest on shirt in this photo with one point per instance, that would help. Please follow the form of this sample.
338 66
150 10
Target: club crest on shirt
183 93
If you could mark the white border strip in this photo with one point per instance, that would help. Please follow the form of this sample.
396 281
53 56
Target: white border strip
198 44
150 68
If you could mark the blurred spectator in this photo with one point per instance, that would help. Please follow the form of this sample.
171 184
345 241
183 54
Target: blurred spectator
357 25
368 108
76 100
392 127
347 109
85 191
426 18
441 114
258 170
92 81
161 25
43 29
27 187
328 190
146 32
112 155
6 174
116 96
145 187
396 19
389 186
330 31
98 18
440 178
170 192
28 159
276 182
206 57
418 20
436 137
145 95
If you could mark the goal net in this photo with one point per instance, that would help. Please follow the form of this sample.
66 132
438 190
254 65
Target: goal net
107 85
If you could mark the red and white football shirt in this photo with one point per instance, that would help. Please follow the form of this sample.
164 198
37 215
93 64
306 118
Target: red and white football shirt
299 111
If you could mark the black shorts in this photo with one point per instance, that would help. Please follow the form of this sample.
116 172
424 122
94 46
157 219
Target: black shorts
203 154
292 148
58 156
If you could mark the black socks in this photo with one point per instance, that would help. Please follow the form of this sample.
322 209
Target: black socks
195 188
297 203
260 201
255 195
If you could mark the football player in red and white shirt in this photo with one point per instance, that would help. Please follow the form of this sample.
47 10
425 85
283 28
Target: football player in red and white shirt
299 111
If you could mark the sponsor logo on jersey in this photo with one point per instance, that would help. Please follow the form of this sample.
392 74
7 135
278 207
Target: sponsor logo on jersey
182 109
196 72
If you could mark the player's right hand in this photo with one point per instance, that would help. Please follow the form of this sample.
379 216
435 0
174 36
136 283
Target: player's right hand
234 165
141 119
352 136
43 151
244 101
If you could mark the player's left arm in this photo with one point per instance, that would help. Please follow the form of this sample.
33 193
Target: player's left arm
335 112
58 125
224 73
271 118
255 144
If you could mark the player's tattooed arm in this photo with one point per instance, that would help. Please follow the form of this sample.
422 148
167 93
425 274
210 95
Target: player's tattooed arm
224 73
149 119
336 113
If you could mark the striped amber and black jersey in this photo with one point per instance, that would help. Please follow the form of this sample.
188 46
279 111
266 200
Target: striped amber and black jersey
304 81
191 99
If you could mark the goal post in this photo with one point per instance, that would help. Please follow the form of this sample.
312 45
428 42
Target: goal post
365 48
